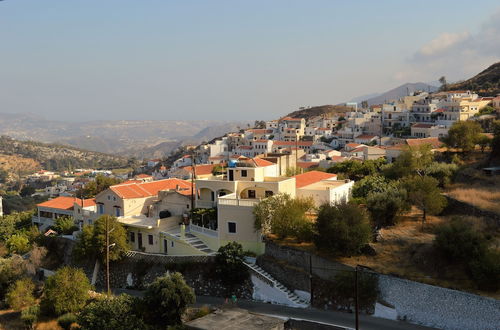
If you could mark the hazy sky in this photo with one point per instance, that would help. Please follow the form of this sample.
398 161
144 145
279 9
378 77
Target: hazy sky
160 59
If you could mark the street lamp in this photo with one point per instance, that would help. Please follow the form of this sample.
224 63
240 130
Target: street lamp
108 246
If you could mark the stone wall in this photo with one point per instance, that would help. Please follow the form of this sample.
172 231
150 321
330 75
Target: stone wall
439 307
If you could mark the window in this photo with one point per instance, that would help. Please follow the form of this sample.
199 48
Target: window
172 244
150 239
251 194
132 237
244 173
109 197
90 221
269 193
231 227
101 208
117 211
114 198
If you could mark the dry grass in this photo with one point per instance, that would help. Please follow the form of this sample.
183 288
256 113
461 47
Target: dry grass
11 320
486 198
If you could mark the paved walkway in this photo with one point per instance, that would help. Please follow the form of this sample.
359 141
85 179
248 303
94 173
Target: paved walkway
311 314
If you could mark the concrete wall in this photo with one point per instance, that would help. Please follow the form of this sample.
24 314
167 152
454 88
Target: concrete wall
439 307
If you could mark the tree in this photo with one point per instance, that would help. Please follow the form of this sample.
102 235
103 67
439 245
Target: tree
18 243
20 294
495 143
166 299
27 191
444 83
370 184
29 316
112 313
483 141
356 170
66 291
65 225
424 193
344 229
284 216
100 183
65 321
229 264
442 172
413 160
344 286
12 223
463 135
92 240
385 207
364 104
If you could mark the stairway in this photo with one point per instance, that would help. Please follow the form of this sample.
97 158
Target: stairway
294 299
195 242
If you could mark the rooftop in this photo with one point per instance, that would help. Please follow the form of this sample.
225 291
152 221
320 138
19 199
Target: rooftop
148 189
305 179
66 203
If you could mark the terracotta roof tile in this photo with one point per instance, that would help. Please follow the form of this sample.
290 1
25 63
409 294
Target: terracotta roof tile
66 203
147 189
308 178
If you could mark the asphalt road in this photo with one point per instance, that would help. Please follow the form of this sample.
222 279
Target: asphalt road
311 314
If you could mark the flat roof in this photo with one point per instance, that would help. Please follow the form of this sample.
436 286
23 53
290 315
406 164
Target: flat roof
324 185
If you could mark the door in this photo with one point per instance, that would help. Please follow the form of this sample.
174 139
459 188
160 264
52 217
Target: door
231 175
139 240
165 246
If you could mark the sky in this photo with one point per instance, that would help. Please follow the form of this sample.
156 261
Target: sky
229 60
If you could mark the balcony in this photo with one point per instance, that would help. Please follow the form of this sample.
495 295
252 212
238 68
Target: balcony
231 200
205 204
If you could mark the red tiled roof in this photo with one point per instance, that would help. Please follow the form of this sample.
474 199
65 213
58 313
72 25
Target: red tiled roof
353 145
66 203
359 149
291 119
203 169
143 176
147 189
434 141
262 162
308 178
306 165
365 136
293 143
245 147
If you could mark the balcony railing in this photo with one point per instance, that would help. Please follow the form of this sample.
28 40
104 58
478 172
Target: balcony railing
203 230
238 202
205 204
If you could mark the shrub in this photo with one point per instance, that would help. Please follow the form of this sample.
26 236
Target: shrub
29 316
112 313
458 241
229 264
344 289
166 299
18 243
65 225
20 294
485 270
66 320
385 207
66 291
369 184
344 229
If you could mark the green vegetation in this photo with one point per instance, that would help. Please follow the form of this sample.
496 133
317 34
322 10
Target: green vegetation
13 202
424 193
229 264
284 216
412 161
18 243
356 170
344 287
29 316
112 313
463 135
65 225
166 299
66 320
20 294
342 229
92 240
100 183
460 242
66 291
385 207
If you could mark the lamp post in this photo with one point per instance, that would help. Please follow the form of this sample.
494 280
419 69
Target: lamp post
108 246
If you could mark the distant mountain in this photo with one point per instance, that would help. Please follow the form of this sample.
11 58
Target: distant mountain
119 137
486 83
318 111
58 157
399 92
362 98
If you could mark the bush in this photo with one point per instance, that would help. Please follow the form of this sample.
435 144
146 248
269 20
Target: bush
18 243
458 241
166 299
29 316
66 320
20 294
229 264
66 291
344 229
485 270
112 313
344 289
65 225
385 207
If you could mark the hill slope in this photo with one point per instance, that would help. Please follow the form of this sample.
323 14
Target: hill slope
486 83
319 110
57 157
401 91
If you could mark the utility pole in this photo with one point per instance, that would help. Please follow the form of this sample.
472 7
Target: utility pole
193 176
311 279
356 306
107 257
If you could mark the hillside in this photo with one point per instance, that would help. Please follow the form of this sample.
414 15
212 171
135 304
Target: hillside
399 92
319 110
486 83
57 157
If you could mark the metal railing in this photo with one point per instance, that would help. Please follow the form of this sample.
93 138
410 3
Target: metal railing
203 230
